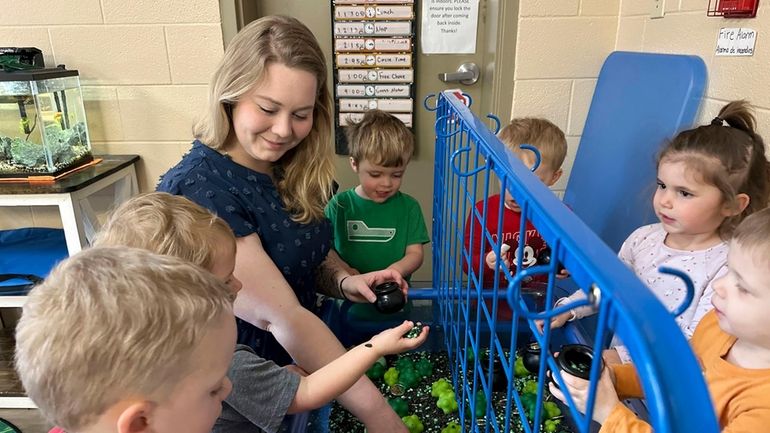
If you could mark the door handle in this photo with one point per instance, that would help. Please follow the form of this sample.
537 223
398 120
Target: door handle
467 73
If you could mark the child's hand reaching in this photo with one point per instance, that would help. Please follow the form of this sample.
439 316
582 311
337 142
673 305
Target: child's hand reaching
556 322
606 397
491 259
394 340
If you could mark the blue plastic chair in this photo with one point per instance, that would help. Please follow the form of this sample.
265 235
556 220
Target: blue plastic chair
641 100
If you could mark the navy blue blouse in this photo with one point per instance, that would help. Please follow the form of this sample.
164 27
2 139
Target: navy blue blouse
249 202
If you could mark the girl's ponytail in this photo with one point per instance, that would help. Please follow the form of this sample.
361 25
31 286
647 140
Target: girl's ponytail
738 115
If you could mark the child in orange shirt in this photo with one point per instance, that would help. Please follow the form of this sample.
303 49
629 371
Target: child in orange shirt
732 344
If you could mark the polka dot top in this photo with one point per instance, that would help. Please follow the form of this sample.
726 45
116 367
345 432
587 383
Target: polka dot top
249 202
644 252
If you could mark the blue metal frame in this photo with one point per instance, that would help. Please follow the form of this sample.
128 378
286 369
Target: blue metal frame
469 160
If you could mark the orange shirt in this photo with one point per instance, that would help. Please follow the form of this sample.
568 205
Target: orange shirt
741 396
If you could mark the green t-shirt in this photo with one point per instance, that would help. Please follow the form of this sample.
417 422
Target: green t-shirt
371 236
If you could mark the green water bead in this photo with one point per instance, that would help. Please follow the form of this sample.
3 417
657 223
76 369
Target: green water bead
399 405
424 367
413 424
375 372
440 386
391 376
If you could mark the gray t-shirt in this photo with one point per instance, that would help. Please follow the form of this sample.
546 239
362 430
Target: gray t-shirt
262 393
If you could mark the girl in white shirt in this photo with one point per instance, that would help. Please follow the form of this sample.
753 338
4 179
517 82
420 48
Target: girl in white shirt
709 179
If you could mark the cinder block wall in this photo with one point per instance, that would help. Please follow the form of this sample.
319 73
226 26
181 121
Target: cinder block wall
686 29
562 44
560 48
144 66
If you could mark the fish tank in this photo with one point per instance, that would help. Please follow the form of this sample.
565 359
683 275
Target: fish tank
43 129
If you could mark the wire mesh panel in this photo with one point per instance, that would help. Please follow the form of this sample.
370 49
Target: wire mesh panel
488 312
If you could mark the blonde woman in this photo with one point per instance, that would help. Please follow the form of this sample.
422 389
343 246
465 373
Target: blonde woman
262 161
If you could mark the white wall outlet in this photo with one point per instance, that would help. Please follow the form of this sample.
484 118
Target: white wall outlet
658 9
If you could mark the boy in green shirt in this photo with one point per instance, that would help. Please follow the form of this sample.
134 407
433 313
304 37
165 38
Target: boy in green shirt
375 225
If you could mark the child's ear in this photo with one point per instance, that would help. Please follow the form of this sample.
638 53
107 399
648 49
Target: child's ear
353 165
135 418
555 177
742 201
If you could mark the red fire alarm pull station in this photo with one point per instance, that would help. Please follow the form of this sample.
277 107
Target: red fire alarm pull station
733 8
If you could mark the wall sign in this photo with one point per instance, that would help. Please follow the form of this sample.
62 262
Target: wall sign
736 42
449 26
374 61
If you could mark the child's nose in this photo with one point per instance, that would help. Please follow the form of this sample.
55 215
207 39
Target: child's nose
664 198
719 286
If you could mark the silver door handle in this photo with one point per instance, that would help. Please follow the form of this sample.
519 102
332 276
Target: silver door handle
467 73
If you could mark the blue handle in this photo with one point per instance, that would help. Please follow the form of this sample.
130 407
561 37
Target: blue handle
534 150
440 131
497 122
513 295
425 102
687 282
457 171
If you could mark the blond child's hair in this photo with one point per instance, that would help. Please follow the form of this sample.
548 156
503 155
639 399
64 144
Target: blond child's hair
113 323
380 138
542 134
305 174
168 224
753 234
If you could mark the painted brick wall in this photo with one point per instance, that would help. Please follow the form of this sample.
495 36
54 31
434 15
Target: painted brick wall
560 48
686 29
562 44
144 66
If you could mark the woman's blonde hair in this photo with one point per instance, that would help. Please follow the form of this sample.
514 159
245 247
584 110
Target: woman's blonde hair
304 174
168 224
114 323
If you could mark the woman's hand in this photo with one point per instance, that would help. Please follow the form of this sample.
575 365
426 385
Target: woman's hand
606 397
392 341
358 288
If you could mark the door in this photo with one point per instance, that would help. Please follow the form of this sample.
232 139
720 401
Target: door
492 93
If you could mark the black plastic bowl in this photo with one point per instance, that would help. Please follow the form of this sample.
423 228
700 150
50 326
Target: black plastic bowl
390 299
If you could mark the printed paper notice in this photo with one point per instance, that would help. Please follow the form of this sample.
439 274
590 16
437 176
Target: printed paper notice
736 41
449 26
